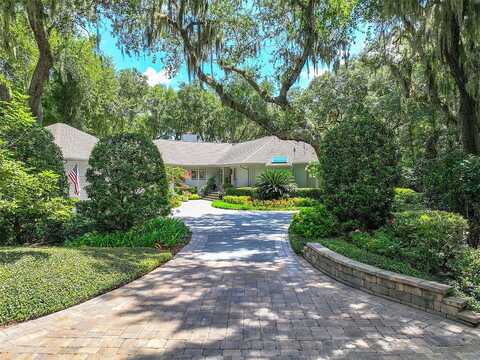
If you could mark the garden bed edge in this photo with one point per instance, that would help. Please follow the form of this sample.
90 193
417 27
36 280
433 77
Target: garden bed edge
422 294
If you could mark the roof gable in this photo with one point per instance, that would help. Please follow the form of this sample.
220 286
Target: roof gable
75 144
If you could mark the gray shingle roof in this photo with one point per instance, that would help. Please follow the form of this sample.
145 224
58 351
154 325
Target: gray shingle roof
191 153
77 145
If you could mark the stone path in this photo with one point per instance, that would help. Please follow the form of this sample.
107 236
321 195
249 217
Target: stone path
238 292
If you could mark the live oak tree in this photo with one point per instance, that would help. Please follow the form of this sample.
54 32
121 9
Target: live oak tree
444 37
264 42
46 19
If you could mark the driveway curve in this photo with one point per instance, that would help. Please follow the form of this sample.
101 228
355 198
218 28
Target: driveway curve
238 292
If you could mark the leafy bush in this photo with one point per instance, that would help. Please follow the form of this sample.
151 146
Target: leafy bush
467 276
175 200
359 166
297 243
237 199
210 186
33 203
194 197
241 191
430 239
127 182
452 183
29 143
380 242
407 199
78 225
275 184
314 222
176 176
31 210
158 232
312 193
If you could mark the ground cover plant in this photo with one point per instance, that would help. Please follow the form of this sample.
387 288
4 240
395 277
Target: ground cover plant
36 281
350 250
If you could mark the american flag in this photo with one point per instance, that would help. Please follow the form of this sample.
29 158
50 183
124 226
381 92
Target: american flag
74 176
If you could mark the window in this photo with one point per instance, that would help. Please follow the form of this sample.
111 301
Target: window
279 159
194 174
199 174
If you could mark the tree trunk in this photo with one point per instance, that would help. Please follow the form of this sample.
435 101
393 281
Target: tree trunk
468 117
36 19
4 92
469 125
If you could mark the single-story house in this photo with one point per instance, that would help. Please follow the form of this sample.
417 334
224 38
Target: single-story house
238 164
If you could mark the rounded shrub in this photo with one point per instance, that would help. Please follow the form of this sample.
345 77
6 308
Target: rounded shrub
452 183
467 276
127 184
29 142
407 199
359 163
314 222
275 184
431 240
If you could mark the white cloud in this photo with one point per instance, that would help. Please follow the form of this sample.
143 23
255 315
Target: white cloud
311 73
155 78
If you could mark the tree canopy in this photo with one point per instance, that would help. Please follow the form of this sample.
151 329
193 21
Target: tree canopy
221 38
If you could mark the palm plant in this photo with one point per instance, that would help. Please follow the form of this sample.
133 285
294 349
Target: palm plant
275 184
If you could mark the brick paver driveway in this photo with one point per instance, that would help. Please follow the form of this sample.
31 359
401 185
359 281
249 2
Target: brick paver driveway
237 292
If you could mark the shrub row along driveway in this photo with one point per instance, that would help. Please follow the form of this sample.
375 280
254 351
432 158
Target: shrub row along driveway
237 291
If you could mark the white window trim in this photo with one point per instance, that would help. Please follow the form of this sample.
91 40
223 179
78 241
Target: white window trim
197 170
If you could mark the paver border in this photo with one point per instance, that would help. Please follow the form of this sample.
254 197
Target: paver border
429 296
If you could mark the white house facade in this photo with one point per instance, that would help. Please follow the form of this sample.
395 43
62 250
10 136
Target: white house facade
238 164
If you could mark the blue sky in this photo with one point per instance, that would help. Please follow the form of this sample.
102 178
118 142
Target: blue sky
154 70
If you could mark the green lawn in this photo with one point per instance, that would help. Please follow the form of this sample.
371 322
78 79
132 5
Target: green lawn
225 205
38 281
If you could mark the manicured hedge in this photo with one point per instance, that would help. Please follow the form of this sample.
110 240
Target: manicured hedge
247 203
241 191
312 193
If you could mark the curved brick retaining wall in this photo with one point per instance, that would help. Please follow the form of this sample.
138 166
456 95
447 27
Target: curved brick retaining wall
422 294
